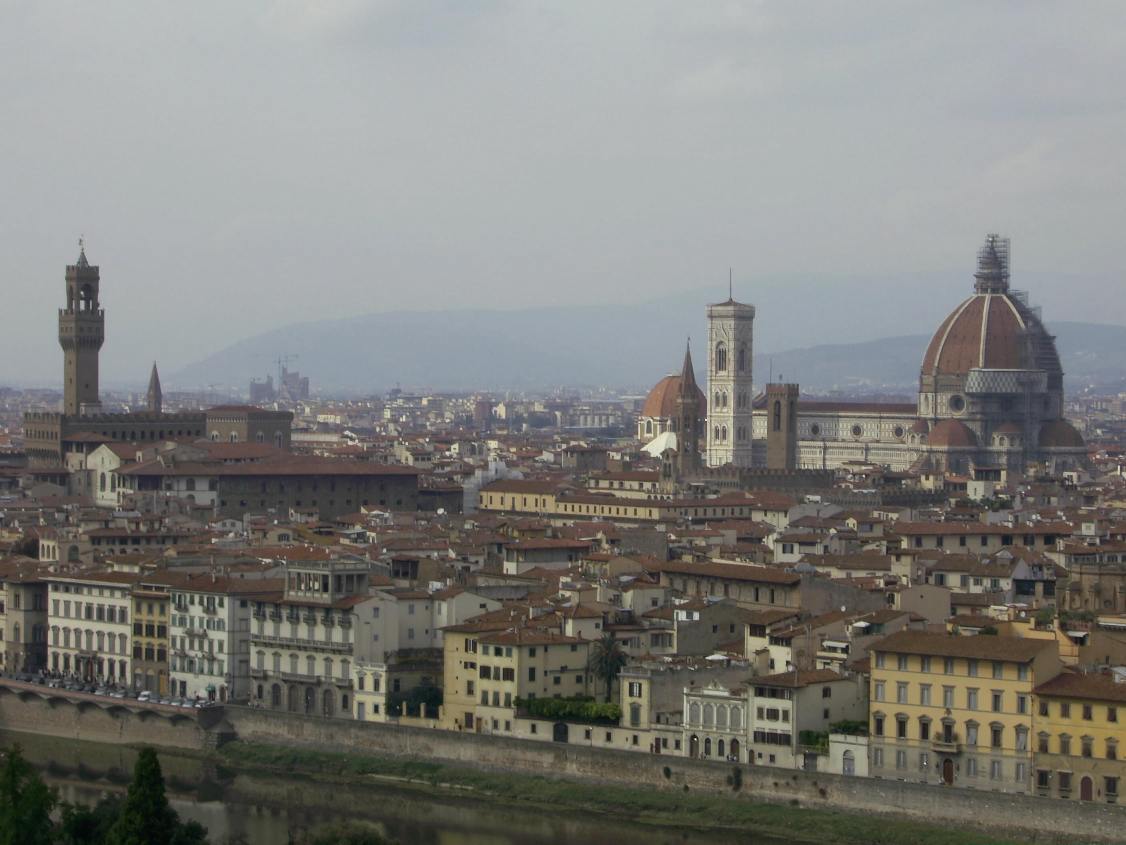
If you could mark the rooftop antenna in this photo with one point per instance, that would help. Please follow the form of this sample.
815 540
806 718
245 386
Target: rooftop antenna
730 296
771 378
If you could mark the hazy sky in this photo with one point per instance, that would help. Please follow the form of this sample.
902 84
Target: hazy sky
239 166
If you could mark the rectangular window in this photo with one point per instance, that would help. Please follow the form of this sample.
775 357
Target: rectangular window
1088 713
971 698
901 662
878 725
997 700
924 664
924 761
880 660
878 691
948 665
901 760
1110 787
901 728
971 668
948 697
1022 703
1043 778
995 733
994 769
998 670
878 757
925 695
1065 709
901 692
1112 714
1065 745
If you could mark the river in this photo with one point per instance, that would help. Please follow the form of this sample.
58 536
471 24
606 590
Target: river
261 809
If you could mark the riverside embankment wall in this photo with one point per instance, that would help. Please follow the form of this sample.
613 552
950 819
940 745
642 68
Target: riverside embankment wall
74 717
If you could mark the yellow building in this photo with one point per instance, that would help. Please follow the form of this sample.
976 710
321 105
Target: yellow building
956 710
486 672
150 638
1080 736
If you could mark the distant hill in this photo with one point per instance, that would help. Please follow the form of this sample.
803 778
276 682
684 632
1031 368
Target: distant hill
622 346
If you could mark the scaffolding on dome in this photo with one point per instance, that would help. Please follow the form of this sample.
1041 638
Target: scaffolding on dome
993 265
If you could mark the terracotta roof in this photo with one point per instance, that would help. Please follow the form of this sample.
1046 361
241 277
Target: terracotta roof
1060 434
981 647
953 434
728 571
1073 685
797 679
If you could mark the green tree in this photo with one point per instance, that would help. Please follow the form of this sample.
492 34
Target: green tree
89 825
606 660
26 803
146 817
345 833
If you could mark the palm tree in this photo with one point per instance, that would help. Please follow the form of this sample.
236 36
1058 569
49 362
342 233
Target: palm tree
606 660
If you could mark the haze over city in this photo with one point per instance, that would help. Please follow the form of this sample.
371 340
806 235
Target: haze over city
241 168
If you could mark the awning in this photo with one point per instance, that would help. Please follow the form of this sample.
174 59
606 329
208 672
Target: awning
835 644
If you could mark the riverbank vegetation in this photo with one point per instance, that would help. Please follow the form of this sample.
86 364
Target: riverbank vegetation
31 813
648 806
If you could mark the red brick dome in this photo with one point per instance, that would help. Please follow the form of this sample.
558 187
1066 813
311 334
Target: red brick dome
661 401
986 331
952 434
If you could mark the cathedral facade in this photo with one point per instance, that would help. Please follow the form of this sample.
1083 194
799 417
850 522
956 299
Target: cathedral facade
990 400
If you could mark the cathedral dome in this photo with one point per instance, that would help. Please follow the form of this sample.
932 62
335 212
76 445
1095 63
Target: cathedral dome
994 329
952 434
1060 434
661 401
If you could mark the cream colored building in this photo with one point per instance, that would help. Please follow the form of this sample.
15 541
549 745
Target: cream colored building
90 622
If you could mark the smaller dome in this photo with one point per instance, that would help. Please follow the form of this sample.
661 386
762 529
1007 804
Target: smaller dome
1008 428
1060 434
920 427
661 401
952 434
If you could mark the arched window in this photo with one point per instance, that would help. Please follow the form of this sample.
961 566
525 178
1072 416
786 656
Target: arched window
715 433
693 713
260 437
777 423
723 433
233 437
721 357
102 483
736 721
648 426
718 400
278 439
708 747
721 719
742 359
709 715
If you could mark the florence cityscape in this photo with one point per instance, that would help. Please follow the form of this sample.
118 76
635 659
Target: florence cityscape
495 423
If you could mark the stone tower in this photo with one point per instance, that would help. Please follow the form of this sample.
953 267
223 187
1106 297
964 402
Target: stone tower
730 346
687 420
154 399
782 426
81 334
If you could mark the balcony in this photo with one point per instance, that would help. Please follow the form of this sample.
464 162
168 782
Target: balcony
946 744
196 632
303 644
209 609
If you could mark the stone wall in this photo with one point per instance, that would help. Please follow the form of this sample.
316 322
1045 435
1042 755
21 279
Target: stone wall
100 719
74 716
1027 816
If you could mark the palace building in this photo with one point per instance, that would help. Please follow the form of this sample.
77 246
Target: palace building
52 438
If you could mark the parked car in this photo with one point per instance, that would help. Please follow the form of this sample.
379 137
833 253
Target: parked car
145 696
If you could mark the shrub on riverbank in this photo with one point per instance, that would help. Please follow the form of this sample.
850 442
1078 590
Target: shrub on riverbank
144 817
577 709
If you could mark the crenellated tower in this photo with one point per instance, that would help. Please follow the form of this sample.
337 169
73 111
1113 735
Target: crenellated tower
82 331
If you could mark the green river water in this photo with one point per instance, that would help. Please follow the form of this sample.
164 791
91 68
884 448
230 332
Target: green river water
263 809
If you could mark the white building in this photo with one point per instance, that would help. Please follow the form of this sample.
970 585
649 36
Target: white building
89 618
730 391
